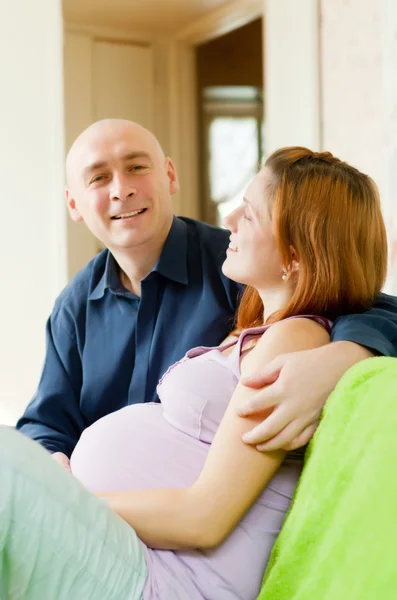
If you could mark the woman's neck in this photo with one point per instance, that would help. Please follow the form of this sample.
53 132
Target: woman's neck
275 300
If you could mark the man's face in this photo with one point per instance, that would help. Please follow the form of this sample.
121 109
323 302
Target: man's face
120 184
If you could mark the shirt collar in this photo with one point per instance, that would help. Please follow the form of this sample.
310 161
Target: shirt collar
109 280
173 259
171 264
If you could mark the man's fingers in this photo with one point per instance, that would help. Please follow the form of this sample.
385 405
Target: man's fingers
266 377
302 438
282 439
269 428
261 400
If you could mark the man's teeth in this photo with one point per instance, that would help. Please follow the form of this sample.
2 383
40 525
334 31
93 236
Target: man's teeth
131 214
233 247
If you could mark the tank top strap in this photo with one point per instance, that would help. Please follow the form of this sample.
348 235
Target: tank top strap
248 333
258 331
233 358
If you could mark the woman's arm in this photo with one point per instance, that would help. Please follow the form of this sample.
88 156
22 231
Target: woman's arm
234 474
296 416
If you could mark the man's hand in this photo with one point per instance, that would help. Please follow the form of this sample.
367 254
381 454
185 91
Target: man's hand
63 460
297 386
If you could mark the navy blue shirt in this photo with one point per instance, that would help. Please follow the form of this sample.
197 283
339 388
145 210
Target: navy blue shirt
107 348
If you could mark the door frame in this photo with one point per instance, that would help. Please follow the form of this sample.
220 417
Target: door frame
183 101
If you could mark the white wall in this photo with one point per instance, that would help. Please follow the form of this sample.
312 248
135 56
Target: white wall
123 81
352 89
389 72
32 239
331 83
292 101
359 92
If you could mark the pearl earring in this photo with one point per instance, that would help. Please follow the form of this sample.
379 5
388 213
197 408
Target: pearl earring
284 275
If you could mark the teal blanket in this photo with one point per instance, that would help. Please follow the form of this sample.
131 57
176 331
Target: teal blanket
339 540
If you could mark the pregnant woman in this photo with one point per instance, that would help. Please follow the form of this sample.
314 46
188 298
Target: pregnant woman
166 501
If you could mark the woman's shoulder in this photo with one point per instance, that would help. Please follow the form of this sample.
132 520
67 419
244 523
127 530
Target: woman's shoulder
296 333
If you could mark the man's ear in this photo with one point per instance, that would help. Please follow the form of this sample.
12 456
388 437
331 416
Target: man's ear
172 176
72 206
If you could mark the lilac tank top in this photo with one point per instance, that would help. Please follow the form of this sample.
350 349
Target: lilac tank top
144 446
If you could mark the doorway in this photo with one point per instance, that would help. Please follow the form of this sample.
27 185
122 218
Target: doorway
231 117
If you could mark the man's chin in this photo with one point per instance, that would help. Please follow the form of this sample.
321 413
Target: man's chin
129 242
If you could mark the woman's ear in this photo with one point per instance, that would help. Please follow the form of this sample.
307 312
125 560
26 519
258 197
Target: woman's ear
294 260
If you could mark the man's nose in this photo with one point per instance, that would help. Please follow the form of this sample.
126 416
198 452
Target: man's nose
122 189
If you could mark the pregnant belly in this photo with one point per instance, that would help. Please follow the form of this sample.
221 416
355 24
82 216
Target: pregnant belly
135 448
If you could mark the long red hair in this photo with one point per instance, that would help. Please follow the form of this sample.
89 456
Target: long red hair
330 213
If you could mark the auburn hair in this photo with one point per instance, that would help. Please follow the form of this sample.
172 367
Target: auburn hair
330 214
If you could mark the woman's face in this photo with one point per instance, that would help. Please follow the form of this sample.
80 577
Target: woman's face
252 257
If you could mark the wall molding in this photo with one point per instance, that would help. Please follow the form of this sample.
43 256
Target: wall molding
221 21
114 34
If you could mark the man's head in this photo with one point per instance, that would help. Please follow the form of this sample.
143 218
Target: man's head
120 184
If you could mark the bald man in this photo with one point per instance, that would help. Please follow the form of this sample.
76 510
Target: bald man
121 184
154 293
137 307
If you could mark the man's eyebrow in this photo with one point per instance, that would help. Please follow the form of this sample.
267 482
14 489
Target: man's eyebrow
94 166
100 164
138 154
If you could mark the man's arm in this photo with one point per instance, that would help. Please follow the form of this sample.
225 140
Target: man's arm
298 384
203 515
375 329
53 418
